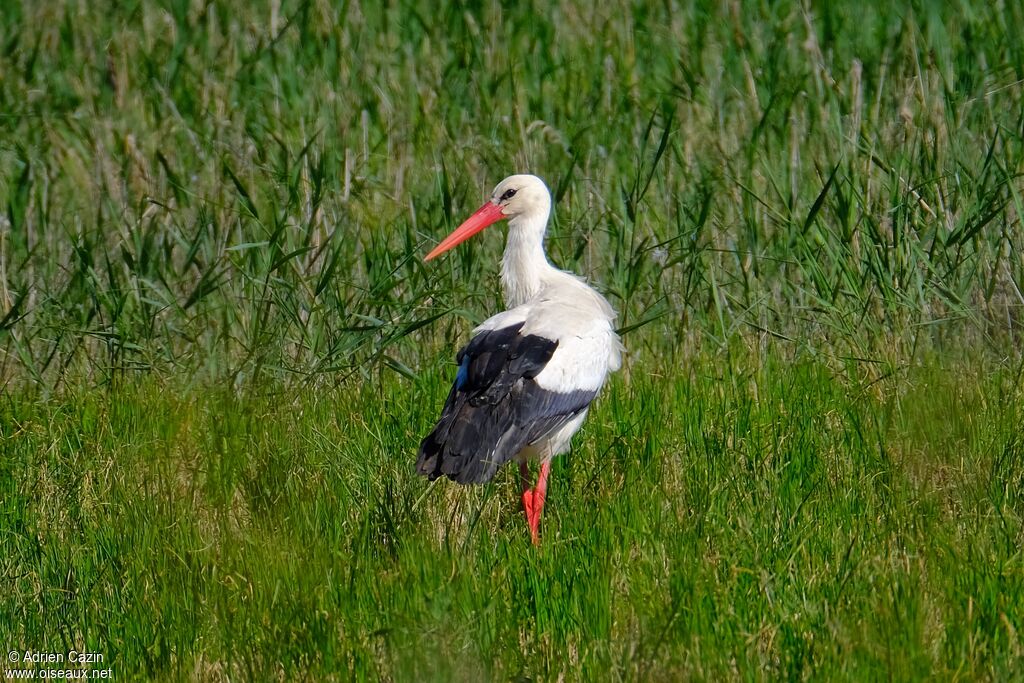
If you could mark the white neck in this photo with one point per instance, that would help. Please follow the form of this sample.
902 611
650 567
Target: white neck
525 267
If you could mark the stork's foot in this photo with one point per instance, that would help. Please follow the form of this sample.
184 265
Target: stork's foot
533 504
533 499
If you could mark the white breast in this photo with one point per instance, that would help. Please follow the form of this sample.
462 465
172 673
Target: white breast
580 320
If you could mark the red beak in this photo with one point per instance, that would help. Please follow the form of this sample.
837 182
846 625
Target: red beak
487 214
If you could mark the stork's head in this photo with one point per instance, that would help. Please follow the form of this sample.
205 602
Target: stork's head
516 197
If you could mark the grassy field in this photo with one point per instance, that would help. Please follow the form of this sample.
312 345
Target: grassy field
219 346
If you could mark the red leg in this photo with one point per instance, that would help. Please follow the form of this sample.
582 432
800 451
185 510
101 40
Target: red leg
524 478
541 489
533 500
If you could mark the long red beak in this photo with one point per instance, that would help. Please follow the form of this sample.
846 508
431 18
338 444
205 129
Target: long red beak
486 215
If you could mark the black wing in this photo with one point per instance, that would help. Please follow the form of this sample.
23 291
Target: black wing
495 407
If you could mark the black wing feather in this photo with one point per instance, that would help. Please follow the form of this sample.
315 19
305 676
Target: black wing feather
495 407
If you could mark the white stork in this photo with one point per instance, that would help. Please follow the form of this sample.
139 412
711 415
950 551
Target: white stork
528 375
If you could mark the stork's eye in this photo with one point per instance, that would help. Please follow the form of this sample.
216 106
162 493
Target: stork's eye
507 195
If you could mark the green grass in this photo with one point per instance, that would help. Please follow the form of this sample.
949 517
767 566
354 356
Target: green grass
769 520
219 345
